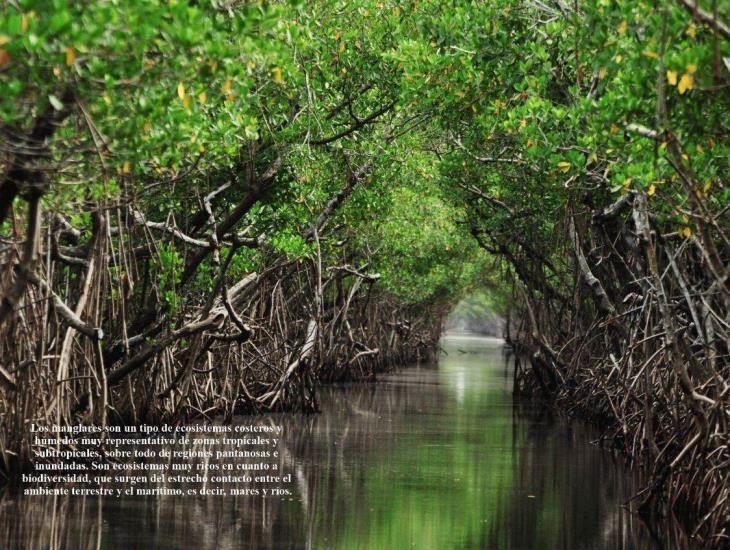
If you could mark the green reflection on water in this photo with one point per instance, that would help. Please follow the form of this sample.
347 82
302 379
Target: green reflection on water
432 457
469 471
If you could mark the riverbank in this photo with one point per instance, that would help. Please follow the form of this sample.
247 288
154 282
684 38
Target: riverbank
432 456
681 511
200 374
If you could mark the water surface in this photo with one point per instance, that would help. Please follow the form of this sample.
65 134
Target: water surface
431 457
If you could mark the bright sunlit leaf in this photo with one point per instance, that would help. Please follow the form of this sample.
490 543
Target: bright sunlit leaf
685 83
70 55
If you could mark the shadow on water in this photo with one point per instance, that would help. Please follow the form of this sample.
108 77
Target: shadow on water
432 457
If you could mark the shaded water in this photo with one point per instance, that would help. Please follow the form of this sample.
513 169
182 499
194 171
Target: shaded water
432 457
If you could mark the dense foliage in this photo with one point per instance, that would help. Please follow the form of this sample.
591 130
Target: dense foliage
300 191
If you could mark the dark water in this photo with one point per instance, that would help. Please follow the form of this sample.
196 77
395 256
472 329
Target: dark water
432 457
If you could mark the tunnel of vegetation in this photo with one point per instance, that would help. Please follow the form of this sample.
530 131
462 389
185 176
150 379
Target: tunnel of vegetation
209 207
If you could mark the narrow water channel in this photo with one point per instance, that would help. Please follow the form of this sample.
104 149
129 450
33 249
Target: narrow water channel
431 457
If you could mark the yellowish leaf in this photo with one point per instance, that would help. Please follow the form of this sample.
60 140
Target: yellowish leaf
342 47
186 102
276 73
672 78
70 55
24 22
602 72
107 99
126 167
523 123
4 39
181 91
685 83
564 166
692 31
686 232
202 97
226 88
618 58
649 53
147 126
651 190
708 185
691 68
622 27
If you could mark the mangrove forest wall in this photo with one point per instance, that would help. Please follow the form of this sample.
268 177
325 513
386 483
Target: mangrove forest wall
208 208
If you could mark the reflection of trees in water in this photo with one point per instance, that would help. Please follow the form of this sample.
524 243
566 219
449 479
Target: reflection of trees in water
350 468
50 523
592 477
312 450
553 454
